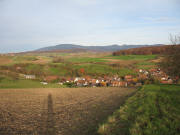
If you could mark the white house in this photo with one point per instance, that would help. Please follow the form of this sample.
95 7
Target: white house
30 76
44 83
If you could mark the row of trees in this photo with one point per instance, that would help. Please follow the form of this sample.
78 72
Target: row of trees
143 51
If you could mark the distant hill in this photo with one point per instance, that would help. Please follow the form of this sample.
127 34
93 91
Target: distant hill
143 50
110 48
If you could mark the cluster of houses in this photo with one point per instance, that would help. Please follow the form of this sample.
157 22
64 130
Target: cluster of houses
115 81
163 78
156 74
98 82
105 81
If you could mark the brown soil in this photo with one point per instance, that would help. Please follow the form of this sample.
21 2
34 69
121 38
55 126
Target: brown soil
64 111
5 60
157 60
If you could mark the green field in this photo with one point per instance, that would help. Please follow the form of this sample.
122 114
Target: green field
146 65
133 57
86 60
9 83
153 110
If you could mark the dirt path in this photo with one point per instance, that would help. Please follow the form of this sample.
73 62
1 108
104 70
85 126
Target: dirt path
75 111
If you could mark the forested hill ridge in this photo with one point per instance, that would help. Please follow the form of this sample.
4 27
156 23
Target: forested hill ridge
109 48
143 50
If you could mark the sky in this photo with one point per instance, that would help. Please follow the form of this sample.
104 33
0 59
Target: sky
31 24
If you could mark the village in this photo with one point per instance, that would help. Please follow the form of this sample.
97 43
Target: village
144 77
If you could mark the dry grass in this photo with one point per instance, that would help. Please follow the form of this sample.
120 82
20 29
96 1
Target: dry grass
157 60
41 60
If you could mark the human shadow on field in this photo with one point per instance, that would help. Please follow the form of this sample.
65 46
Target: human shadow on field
50 123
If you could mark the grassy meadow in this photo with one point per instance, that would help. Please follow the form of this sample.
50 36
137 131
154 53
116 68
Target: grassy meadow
22 83
153 110
133 57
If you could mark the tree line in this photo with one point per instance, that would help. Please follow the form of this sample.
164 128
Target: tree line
143 51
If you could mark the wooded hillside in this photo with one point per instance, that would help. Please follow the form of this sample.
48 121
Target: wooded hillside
143 50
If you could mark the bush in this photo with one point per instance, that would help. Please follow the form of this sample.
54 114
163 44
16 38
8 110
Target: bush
156 81
1 78
58 60
69 84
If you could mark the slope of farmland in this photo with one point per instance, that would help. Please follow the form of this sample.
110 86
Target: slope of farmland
57 111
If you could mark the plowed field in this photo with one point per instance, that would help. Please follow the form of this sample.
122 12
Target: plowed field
64 111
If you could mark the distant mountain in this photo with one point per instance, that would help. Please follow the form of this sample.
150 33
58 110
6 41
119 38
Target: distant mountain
109 48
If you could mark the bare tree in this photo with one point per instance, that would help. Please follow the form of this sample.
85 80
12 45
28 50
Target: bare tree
175 40
171 60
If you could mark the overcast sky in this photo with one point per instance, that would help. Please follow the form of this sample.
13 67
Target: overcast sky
31 24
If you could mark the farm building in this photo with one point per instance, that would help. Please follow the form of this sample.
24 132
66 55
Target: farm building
30 76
